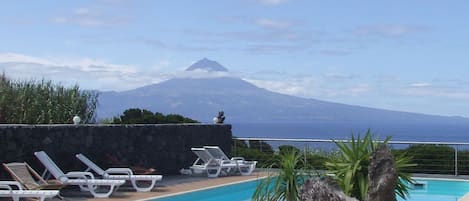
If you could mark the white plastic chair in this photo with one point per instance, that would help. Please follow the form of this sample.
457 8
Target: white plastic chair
244 167
209 164
6 190
121 173
85 180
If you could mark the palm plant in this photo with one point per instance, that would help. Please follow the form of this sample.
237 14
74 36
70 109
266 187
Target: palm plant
350 167
285 184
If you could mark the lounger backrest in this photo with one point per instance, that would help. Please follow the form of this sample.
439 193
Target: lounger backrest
23 173
203 154
216 152
50 165
90 164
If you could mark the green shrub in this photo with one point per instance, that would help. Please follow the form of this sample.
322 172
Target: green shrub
240 148
431 158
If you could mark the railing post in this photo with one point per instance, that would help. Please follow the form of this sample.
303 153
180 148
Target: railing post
235 150
456 160
305 153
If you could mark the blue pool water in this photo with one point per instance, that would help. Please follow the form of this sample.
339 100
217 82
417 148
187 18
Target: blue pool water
431 190
439 190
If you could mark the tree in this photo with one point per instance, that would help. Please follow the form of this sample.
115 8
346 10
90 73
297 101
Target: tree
139 116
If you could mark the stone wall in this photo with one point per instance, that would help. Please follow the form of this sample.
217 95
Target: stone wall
165 148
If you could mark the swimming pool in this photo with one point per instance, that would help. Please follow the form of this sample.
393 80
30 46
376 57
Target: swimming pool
429 190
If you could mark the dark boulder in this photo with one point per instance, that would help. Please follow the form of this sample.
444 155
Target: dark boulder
323 190
382 175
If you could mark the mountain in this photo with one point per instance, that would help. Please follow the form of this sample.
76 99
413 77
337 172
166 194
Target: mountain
242 101
207 65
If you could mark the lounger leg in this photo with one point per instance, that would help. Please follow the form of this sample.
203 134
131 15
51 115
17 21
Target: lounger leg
102 195
215 174
60 196
246 170
87 187
143 189
15 198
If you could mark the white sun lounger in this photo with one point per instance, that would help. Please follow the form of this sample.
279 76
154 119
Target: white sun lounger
6 190
85 180
244 167
121 173
209 164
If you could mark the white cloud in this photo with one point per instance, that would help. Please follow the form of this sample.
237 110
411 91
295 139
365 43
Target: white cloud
423 89
390 30
88 73
270 23
94 73
284 87
310 87
420 84
82 11
273 2
92 17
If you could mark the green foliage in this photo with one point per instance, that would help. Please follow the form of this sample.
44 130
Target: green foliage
431 158
436 159
350 167
264 154
403 163
261 146
463 162
139 116
286 184
32 102
253 151
287 148
316 159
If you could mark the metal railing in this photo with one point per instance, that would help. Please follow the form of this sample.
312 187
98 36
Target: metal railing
430 157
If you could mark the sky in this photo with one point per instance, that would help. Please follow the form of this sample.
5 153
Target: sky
398 55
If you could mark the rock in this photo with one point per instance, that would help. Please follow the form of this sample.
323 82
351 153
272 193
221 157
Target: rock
382 175
323 190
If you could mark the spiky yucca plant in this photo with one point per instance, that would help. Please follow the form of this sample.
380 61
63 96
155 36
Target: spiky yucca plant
350 167
286 183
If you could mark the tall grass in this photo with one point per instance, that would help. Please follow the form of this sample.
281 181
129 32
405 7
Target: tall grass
42 102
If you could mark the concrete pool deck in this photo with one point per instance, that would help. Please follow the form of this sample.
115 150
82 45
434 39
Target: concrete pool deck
169 185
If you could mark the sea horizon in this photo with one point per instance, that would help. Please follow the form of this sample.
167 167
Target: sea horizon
343 130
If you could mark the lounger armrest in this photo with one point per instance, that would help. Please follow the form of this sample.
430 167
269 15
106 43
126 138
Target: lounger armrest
7 185
238 158
228 161
84 175
126 171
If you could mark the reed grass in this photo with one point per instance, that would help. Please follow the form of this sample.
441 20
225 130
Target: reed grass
43 102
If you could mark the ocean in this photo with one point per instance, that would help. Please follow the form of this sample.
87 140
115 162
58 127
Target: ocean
399 132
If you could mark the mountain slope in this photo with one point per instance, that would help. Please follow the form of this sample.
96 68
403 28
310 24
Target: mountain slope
201 99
